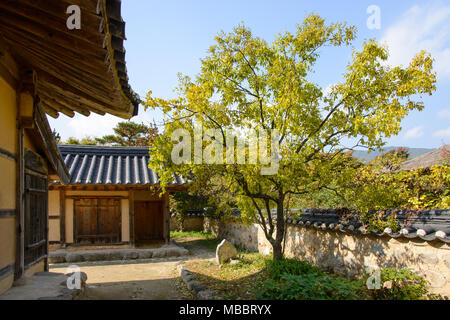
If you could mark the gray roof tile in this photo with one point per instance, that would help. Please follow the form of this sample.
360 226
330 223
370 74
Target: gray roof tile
110 165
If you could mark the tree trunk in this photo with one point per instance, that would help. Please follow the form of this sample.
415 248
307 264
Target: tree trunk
277 244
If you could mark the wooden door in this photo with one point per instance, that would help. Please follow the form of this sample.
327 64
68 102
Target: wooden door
97 221
36 228
148 220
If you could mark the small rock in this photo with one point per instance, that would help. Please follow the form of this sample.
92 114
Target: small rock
131 255
74 257
95 256
429 258
159 253
387 285
447 260
146 254
195 286
205 295
57 258
225 251
172 252
436 279
235 261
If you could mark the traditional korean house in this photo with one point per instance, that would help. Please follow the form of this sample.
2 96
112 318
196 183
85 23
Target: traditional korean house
48 68
112 198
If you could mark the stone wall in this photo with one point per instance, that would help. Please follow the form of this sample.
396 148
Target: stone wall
348 253
193 223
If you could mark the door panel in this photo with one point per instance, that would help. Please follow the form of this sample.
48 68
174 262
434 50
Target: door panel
148 220
97 221
36 198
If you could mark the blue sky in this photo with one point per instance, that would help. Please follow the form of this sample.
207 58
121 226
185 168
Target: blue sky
167 37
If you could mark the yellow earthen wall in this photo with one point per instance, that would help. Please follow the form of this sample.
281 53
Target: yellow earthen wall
8 136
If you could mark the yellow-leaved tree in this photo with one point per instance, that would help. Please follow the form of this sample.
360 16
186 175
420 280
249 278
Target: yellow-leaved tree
246 83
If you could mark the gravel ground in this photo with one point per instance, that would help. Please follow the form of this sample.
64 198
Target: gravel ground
135 280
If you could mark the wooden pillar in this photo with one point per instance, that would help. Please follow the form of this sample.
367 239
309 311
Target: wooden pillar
47 230
131 214
20 199
166 218
62 217
25 90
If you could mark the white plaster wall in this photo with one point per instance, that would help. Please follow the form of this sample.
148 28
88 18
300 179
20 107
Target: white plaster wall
53 203
69 220
349 253
125 209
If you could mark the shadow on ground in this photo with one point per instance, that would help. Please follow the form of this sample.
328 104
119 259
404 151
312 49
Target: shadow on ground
158 289
142 279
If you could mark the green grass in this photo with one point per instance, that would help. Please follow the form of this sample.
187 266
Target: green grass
232 281
185 234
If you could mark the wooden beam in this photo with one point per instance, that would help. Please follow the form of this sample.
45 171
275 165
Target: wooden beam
62 215
7 154
51 150
56 106
28 79
51 59
88 5
116 28
85 61
50 111
113 9
68 101
86 82
47 34
76 94
32 12
2 46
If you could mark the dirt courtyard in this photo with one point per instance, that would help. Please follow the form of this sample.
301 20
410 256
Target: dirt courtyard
156 279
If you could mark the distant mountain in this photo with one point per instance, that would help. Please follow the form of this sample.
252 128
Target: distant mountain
413 152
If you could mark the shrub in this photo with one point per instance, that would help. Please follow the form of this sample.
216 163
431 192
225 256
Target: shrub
399 284
277 268
309 286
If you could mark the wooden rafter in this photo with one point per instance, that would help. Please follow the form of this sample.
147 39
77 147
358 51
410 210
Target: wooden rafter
78 70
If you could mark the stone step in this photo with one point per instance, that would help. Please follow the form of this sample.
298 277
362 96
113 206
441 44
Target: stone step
69 256
45 286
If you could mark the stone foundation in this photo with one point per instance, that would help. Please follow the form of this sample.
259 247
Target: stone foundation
348 253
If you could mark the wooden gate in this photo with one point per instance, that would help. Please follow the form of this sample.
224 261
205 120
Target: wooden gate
97 221
36 223
148 220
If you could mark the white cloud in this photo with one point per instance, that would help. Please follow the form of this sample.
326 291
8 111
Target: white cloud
94 125
414 133
424 27
444 113
97 125
445 133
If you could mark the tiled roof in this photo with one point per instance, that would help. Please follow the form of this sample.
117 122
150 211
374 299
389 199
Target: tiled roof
427 225
110 165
